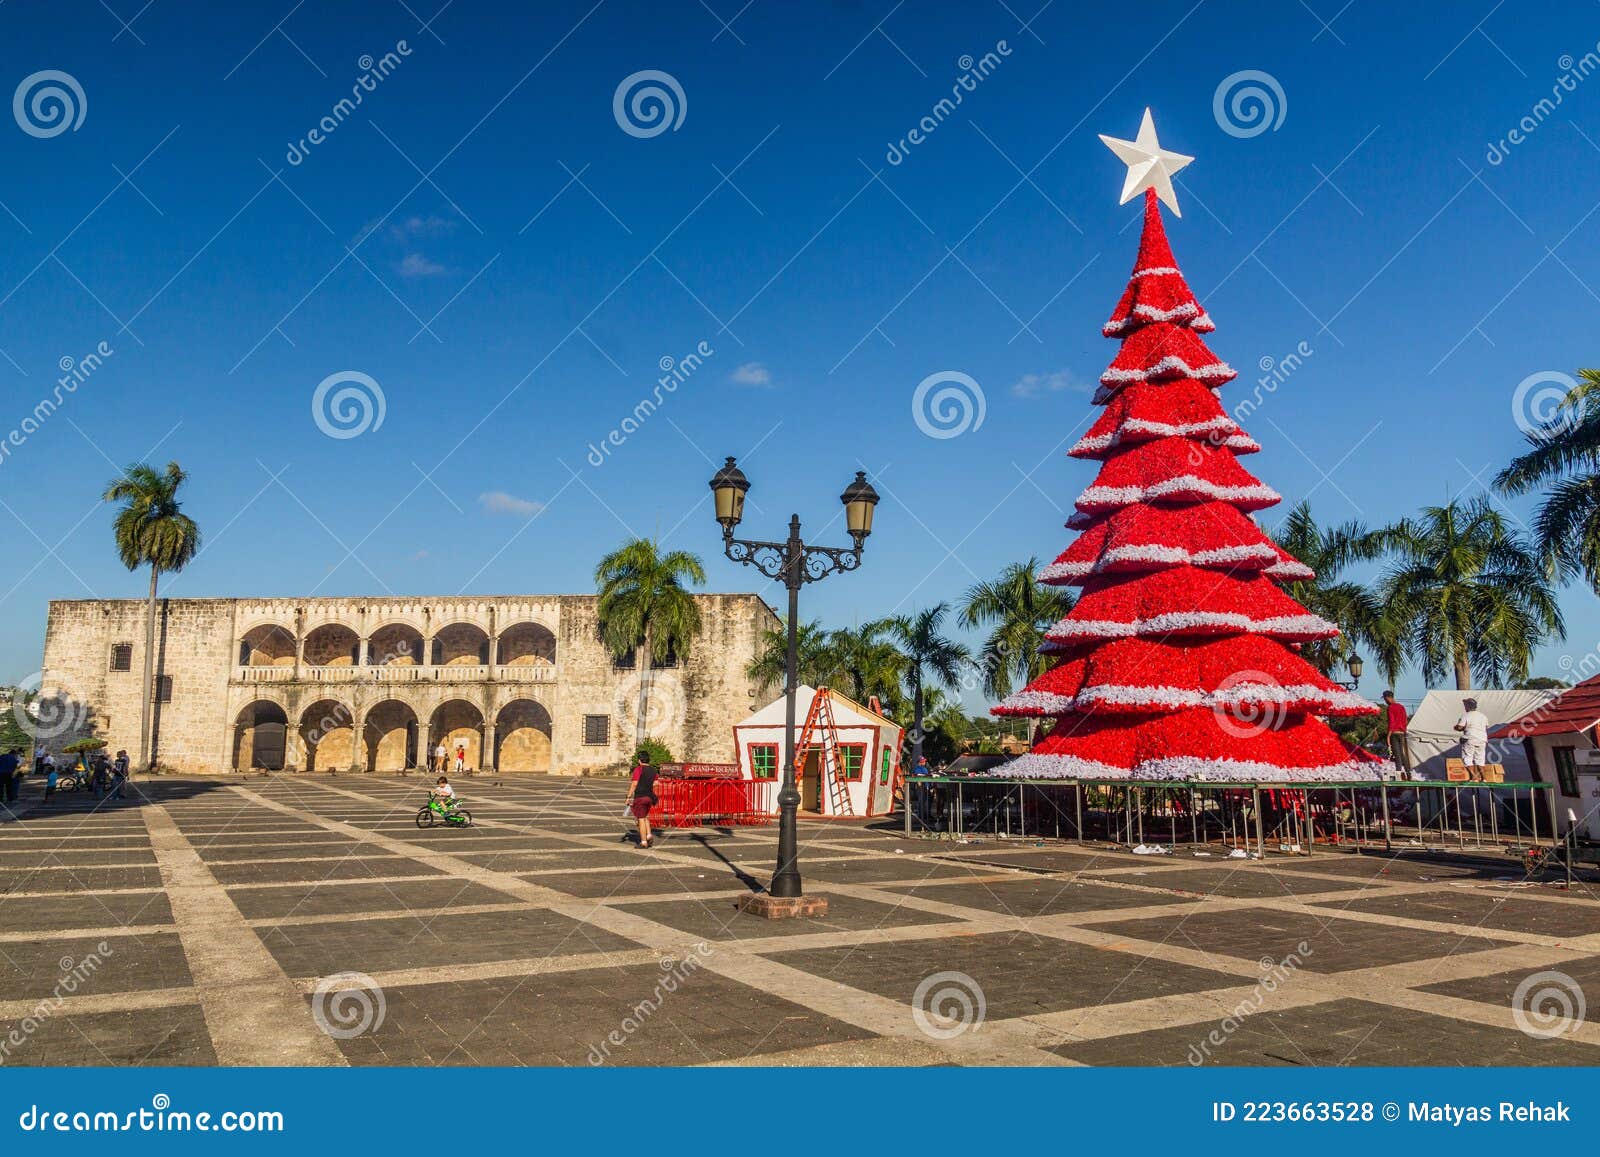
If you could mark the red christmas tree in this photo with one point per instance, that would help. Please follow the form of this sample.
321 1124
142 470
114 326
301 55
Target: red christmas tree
1179 661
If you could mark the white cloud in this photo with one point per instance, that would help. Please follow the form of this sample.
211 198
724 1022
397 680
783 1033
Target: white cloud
499 502
1032 385
752 374
429 226
416 265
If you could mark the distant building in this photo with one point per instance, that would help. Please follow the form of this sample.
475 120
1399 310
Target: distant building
522 682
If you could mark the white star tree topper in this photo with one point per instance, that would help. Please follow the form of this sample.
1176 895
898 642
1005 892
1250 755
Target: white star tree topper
1149 165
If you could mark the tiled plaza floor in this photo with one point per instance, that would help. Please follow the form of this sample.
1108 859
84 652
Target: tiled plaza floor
307 920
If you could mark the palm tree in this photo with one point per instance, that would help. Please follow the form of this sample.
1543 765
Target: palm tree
1329 552
151 530
814 652
646 610
1466 592
930 660
1565 463
1019 609
865 664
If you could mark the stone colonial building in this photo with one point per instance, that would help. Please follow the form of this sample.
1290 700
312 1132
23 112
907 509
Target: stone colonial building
521 681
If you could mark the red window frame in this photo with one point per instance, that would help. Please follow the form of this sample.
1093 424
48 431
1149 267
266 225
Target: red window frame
844 762
754 773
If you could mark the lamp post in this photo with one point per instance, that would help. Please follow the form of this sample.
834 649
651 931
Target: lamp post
794 563
1356 666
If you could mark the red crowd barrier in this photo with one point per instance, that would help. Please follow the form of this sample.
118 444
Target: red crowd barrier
688 803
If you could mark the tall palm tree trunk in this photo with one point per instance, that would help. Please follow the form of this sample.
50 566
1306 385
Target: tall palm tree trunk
916 721
644 661
145 753
1463 664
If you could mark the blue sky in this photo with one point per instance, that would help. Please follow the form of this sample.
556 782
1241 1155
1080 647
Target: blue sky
483 240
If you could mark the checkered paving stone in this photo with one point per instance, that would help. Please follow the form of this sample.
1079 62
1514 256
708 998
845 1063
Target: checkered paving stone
568 1018
1335 945
1019 974
384 898
86 910
1513 912
437 939
1037 896
1105 957
146 1036
1340 1032
1573 975
38 968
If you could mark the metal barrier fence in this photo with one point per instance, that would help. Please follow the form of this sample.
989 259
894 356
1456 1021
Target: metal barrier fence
1254 818
688 803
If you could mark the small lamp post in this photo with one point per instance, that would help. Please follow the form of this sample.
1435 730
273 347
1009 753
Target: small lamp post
1355 666
794 563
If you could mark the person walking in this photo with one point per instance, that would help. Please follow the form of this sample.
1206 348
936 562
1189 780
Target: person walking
461 757
10 762
439 757
1474 728
642 797
1399 741
119 776
49 777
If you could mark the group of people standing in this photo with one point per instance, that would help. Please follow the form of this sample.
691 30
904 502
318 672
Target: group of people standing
1473 726
442 757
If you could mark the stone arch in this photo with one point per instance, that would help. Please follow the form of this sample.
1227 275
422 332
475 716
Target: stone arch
527 645
460 644
332 645
394 645
457 721
327 729
269 645
522 737
260 736
390 736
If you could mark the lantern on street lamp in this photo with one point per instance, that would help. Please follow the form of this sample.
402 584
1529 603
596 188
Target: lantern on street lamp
728 487
859 499
1355 666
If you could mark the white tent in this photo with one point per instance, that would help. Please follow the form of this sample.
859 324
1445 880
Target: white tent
848 770
1434 739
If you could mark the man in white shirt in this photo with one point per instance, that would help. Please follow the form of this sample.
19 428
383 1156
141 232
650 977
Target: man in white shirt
1474 728
439 756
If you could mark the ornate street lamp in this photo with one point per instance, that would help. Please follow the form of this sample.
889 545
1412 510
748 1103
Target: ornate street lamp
1356 666
794 564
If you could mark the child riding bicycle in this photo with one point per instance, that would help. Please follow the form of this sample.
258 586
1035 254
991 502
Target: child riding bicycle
442 798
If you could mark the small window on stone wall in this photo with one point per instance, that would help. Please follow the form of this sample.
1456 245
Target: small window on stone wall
163 688
596 729
122 656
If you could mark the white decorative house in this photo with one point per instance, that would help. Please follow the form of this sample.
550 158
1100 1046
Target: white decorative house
847 755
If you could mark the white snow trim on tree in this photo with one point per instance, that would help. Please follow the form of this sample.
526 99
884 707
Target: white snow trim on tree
1190 767
1184 484
1176 555
1237 439
1168 364
1294 570
1156 271
1176 622
1305 698
1143 314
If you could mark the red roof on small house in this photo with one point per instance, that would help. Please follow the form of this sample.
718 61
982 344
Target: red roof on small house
1575 709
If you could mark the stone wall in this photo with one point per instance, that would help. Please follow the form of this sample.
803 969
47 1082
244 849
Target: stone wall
392 705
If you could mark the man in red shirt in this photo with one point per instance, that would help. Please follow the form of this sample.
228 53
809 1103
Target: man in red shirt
1399 748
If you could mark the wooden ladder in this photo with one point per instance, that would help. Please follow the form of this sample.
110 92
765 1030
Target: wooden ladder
821 715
